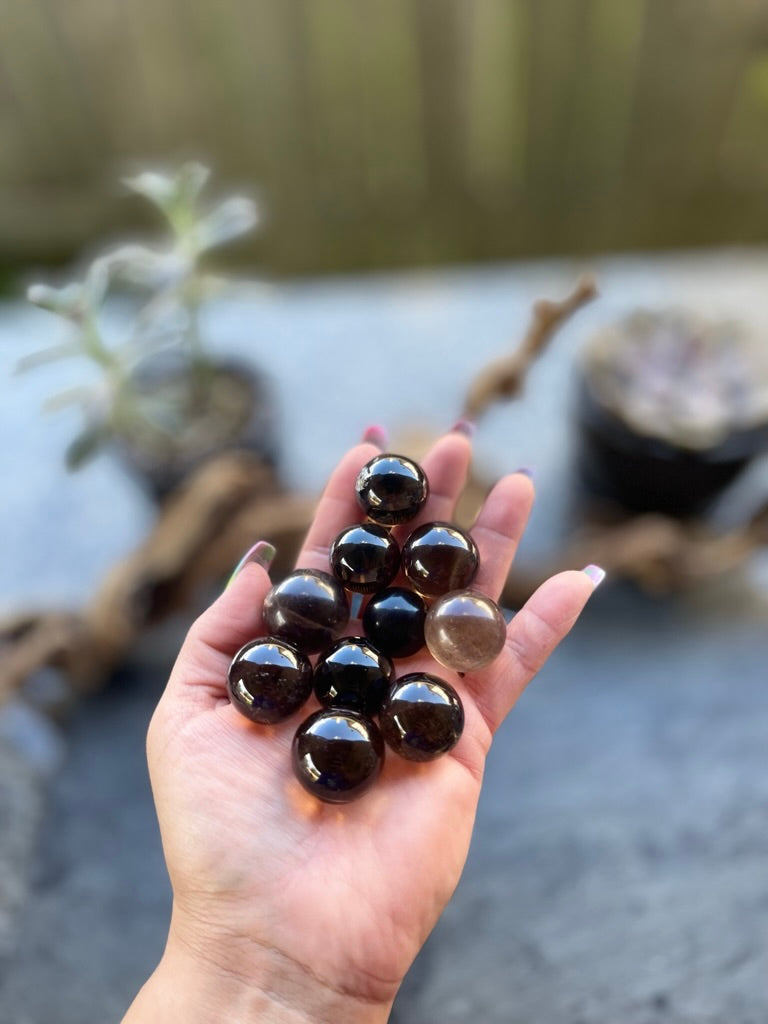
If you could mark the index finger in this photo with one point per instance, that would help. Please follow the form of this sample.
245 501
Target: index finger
336 509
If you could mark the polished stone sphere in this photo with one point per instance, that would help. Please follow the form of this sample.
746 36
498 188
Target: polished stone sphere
439 557
308 608
391 489
465 631
353 675
337 755
394 622
268 680
365 557
422 717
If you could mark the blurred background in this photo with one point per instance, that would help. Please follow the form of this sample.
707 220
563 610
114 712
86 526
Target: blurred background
391 134
392 186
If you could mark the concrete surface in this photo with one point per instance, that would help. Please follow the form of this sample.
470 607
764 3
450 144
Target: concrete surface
619 873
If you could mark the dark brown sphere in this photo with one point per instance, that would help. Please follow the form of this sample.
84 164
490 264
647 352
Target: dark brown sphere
353 675
308 608
394 622
365 557
337 755
422 717
438 558
391 489
268 680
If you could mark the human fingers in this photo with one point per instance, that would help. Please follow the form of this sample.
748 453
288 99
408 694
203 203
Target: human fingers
233 619
446 465
336 509
498 529
533 634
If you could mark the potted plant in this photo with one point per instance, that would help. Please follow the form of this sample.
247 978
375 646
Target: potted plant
162 401
670 409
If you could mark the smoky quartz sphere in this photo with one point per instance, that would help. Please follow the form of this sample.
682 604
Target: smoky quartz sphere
365 557
439 557
391 489
353 675
308 608
268 680
394 622
422 717
465 631
337 755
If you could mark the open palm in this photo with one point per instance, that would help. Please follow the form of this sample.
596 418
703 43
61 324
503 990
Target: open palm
272 884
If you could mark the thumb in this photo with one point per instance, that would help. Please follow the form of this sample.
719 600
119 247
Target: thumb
233 619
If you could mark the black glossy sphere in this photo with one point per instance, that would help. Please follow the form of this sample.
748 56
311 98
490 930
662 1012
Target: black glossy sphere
394 622
337 755
422 717
308 608
268 680
365 557
391 489
353 675
438 558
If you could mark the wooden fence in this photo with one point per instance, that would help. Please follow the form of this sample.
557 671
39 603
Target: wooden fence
383 132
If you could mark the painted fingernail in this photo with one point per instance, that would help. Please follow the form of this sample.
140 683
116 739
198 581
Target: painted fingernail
465 427
262 553
595 573
375 434
526 471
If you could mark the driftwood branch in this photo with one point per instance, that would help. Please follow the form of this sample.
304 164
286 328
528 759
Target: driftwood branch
504 378
30 641
204 527
661 555
200 533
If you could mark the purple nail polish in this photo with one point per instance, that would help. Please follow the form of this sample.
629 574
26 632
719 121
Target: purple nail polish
595 573
262 553
375 434
526 471
465 427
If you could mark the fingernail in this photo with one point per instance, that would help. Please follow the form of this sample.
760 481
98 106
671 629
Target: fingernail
262 553
465 427
595 573
375 434
526 471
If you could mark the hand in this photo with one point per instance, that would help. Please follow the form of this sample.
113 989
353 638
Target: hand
286 908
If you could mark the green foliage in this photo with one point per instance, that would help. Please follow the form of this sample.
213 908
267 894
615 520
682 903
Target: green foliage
172 282
85 446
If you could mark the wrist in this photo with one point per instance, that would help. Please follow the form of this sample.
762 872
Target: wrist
207 983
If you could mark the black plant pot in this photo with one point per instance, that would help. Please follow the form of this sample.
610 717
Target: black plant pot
642 473
161 471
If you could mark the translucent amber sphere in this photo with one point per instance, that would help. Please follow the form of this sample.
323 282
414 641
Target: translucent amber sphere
422 717
308 608
465 631
391 489
439 557
337 755
268 680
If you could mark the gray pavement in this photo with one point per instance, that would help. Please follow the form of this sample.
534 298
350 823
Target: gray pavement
94 923
619 872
